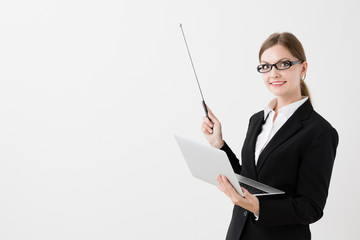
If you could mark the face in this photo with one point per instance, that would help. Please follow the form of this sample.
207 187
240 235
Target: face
284 84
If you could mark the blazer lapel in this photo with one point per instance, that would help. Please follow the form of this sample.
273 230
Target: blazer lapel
254 130
292 126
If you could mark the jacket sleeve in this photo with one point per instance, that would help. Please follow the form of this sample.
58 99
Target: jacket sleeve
314 174
235 163
232 158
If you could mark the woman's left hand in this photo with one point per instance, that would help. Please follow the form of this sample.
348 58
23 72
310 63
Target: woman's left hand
249 201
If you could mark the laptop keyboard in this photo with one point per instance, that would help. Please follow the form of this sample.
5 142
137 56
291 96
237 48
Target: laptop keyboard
251 189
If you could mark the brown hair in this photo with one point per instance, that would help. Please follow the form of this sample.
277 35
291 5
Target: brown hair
291 43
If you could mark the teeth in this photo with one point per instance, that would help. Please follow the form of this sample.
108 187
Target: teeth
278 83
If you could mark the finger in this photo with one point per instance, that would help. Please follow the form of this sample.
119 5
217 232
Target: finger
208 122
211 114
204 130
247 195
224 178
230 191
221 184
207 128
228 185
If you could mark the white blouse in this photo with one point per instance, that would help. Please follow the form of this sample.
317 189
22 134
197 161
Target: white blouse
270 127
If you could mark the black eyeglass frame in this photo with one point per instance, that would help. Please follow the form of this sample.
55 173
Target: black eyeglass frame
292 63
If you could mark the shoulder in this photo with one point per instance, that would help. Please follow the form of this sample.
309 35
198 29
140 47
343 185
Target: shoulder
319 121
320 126
312 119
257 115
256 118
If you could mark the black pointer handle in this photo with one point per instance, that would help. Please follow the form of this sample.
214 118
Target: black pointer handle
206 111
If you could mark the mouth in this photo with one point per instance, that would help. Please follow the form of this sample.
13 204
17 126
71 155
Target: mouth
277 83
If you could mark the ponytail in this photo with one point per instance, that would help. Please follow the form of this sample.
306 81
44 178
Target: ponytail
304 89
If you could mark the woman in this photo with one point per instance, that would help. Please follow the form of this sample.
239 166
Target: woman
288 146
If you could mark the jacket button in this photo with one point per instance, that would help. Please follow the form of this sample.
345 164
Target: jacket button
245 213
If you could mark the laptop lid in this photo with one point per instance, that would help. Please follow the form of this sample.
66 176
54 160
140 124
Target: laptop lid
206 163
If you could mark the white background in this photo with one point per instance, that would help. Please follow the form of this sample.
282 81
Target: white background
91 93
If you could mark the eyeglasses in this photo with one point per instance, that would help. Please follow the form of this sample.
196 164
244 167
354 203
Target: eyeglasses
282 65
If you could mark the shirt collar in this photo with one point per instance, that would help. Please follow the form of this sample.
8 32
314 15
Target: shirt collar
287 110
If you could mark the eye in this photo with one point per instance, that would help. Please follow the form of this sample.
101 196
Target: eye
265 66
284 64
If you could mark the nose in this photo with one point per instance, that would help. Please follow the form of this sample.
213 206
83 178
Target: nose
274 73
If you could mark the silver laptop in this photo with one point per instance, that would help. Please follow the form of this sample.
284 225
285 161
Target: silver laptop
206 163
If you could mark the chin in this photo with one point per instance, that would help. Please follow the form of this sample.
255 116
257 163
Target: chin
278 93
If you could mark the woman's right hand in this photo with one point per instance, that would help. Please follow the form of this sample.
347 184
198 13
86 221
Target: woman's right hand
212 130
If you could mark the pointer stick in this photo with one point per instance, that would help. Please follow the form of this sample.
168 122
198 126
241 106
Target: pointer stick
192 64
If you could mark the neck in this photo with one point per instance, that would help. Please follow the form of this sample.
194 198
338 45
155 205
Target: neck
283 101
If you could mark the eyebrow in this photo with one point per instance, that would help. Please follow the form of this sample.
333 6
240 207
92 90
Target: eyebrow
277 61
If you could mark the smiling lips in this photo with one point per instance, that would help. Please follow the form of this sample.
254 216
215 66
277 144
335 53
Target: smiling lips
277 83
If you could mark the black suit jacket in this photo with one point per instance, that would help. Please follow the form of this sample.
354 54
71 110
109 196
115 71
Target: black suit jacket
298 160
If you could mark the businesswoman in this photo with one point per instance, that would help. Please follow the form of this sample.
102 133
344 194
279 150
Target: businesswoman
288 145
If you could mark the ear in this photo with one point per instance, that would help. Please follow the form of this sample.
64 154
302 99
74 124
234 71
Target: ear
304 68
